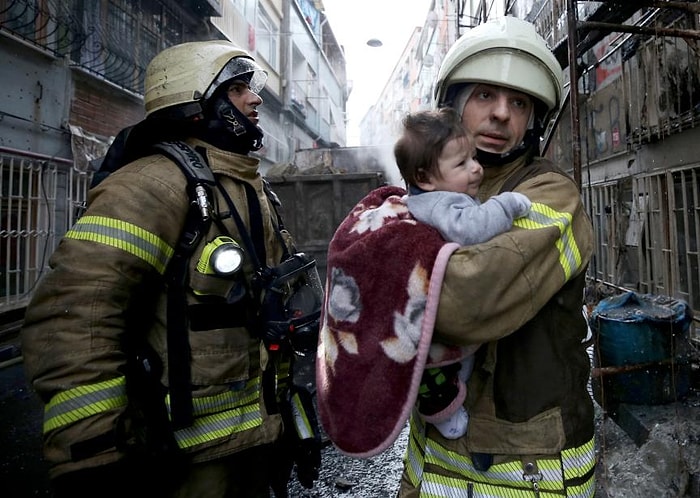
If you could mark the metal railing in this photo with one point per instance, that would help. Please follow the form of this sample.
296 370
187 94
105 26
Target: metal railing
113 40
39 201
648 233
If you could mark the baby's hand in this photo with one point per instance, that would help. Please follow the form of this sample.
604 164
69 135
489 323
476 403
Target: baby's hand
522 204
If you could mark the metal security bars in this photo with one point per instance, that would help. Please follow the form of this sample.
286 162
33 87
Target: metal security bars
648 233
39 200
112 39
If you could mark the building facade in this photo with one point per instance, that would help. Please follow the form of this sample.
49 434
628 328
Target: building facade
634 146
72 78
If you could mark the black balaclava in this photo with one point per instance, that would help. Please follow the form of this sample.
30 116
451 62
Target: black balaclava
227 128
529 145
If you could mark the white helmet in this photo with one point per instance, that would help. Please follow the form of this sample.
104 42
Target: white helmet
506 52
191 72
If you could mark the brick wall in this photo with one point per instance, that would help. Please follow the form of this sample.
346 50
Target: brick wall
103 110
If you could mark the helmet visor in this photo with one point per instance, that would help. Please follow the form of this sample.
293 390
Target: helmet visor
241 68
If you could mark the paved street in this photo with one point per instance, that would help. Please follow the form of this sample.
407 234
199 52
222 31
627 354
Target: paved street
22 473
666 456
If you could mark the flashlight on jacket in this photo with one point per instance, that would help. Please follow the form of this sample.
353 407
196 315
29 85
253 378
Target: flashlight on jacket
222 256
202 201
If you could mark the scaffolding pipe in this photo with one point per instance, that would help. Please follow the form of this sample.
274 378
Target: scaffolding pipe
572 40
689 6
640 30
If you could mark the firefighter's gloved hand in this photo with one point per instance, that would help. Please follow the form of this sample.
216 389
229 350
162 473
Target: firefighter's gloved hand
308 461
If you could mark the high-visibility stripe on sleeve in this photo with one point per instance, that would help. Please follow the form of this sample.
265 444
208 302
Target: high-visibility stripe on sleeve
125 236
542 216
216 417
80 402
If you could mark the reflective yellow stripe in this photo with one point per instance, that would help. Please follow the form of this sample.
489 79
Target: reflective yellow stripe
437 486
428 465
442 487
585 490
81 402
542 216
505 479
415 454
577 461
224 401
219 425
222 415
301 420
124 236
216 416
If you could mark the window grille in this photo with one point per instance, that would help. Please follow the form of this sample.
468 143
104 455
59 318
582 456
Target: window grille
39 201
647 232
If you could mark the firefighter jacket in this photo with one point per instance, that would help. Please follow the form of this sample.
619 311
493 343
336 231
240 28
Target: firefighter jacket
106 291
531 421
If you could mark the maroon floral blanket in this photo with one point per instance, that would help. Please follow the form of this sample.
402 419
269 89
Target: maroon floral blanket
384 274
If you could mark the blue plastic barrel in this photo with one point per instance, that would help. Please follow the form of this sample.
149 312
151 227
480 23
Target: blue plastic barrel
647 337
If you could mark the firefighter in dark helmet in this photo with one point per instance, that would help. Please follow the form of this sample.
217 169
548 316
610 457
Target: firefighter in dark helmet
145 339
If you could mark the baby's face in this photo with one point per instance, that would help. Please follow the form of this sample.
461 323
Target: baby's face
459 169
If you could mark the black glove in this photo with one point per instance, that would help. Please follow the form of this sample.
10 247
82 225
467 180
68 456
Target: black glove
307 458
302 435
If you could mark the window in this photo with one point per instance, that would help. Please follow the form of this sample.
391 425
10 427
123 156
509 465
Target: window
266 38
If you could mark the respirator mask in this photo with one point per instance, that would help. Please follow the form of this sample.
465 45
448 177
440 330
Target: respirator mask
291 303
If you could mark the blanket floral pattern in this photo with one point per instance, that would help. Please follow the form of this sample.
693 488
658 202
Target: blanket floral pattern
382 288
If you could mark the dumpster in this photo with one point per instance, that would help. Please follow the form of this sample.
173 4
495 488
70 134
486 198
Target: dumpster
642 349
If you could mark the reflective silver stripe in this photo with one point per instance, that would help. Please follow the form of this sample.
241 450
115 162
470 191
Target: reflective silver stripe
542 216
222 415
224 401
301 421
576 462
126 236
501 480
219 425
435 486
81 402
415 459
585 490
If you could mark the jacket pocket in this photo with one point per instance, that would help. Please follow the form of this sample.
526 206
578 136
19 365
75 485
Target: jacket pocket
220 356
542 434
216 288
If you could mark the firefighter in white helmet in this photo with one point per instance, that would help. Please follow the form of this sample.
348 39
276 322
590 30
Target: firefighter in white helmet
149 355
531 425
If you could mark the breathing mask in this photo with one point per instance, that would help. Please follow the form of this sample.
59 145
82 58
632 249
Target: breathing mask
292 300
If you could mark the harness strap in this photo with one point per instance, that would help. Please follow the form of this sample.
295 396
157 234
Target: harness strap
197 222
199 176
179 352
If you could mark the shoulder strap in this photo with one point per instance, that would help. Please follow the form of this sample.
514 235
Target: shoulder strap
535 167
190 161
200 179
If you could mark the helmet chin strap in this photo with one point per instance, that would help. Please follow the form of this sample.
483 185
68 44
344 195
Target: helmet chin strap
492 159
227 128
